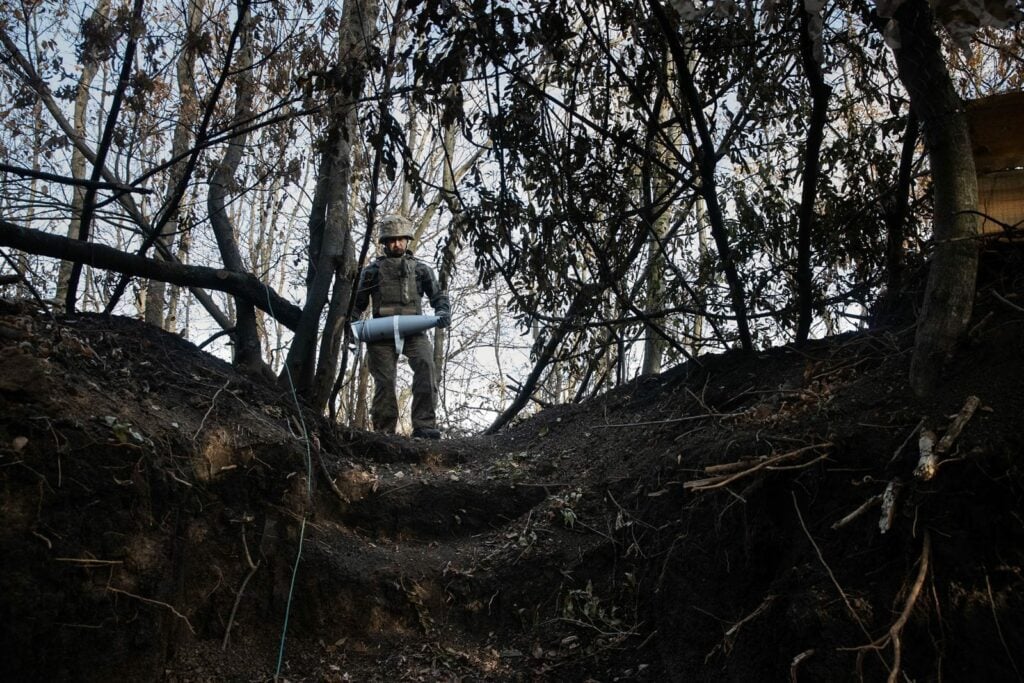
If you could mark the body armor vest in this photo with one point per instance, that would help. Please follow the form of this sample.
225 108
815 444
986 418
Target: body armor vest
397 293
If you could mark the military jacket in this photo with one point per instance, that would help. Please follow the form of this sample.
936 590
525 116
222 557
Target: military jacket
396 285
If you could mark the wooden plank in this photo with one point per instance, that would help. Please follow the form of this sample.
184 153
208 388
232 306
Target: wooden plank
995 124
1001 200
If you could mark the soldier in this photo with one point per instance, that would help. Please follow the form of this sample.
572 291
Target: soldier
396 283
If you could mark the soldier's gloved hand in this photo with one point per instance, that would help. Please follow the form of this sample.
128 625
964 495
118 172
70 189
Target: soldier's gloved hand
444 320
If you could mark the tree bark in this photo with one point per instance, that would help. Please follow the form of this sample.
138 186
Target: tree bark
949 293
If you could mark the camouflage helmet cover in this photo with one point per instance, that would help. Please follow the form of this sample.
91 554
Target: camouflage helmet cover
395 226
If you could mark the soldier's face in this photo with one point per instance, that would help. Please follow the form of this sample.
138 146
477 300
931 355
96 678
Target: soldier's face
396 246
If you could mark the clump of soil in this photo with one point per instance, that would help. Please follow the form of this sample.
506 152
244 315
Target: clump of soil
742 517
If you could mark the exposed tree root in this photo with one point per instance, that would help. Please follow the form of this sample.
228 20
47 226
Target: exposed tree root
253 566
155 602
892 636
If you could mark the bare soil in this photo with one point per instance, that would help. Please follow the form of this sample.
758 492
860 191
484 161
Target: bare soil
689 526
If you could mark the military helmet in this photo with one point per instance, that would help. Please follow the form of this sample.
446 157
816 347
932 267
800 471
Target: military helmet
395 226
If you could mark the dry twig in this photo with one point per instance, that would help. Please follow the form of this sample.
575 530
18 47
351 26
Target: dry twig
213 402
1007 302
730 636
906 441
687 418
88 561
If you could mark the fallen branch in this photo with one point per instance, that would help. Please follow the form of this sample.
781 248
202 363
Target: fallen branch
766 463
244 285
730 467
958 424
929 460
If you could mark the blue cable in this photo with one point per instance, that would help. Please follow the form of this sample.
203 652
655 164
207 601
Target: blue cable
309 500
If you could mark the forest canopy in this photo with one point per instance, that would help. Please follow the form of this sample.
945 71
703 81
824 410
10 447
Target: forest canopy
605 188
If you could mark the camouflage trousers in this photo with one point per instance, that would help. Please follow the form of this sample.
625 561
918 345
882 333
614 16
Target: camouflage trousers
383 365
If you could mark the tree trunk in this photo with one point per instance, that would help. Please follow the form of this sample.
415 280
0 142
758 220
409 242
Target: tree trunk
331 210
896 216
106 142
707 160
89 69
949 294
810 54
663 146
156 307
248 352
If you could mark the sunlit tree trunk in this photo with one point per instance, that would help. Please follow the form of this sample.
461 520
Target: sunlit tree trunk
157 311
664 146
21 258
90 67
